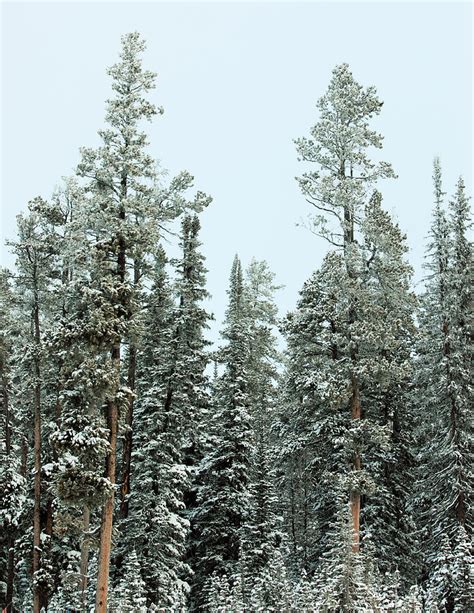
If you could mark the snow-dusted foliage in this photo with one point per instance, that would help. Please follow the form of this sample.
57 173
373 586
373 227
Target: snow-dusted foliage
262 531
342 420
328 471
172 395
444 374
224 497
13 483
129 594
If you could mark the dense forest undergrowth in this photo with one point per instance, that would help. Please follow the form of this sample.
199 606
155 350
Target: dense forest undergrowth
143 469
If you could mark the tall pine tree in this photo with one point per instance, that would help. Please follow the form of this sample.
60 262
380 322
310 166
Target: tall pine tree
224 497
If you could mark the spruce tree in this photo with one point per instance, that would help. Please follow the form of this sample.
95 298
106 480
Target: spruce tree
262 367
224 498
446 427
172 394
123 213
12 481
36 251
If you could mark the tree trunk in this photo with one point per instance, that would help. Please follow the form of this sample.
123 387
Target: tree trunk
10 574
108 511
37 592
355 497
112 422
128 439
85 557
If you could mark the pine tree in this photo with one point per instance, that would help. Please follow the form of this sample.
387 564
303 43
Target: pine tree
129 595
262 367
224 496
12 481
120 194
338 188
443 369
36 251
172 395
364 317
123 214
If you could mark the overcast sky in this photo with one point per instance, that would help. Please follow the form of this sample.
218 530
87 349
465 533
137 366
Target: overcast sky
239 81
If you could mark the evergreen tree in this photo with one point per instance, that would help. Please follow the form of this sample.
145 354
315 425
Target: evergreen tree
364 316
129 595
311 424
262 367
80 439
443 370
172 395
387 511
258 490
123 214
223 499
12 482
120 192
36 251
339 188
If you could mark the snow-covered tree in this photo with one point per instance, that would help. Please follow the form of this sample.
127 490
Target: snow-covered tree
12 482
388 351
122 214
36 251
310 427
362 310
129 594
443 373
223 499
171 397
262 368
338 189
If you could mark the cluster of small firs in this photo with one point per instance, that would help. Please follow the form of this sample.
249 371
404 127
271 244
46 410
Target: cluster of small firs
143 469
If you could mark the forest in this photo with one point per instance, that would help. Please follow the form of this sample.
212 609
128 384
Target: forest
144 469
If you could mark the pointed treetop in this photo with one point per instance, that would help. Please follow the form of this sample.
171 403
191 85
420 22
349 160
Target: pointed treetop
235 287
437 183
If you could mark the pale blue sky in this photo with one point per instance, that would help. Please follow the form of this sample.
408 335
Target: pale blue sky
238 82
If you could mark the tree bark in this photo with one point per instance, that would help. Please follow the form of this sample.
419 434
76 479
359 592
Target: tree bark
112 422
108 511
85 557
355 496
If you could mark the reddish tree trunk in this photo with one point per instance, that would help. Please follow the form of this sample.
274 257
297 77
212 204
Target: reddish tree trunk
108 511
112 422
